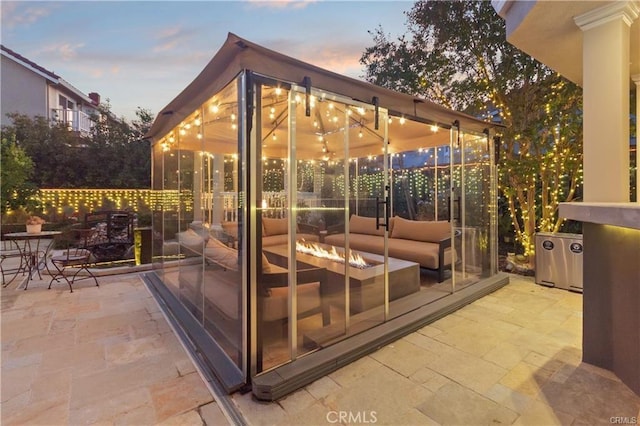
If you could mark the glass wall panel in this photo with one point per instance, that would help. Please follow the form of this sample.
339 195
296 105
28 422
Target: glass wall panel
221 194
443 182
413 177
202 226
332 141
157 182
471 206
273 225
311 147
477 204
171 206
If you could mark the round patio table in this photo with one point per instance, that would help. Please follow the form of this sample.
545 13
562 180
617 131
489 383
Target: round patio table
31 252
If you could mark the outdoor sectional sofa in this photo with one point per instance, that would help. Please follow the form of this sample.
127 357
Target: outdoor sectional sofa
427 243
220 280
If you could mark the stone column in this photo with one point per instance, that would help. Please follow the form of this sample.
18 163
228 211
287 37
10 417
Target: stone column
606 56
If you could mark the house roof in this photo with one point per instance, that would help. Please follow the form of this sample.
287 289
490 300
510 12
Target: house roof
238 54
54 78
29 64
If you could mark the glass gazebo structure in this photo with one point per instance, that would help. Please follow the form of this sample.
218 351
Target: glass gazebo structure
308 217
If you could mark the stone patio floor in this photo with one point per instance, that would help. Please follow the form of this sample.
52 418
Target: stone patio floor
106 355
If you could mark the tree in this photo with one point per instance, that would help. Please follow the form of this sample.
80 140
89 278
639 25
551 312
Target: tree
113 155
456 54
51 147
120 150
15 188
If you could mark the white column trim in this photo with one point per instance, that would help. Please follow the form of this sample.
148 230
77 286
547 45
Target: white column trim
628 11
636 80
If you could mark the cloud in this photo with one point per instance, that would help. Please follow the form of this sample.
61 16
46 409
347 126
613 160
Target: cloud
281 4
15 14
171 37
66 51
340 57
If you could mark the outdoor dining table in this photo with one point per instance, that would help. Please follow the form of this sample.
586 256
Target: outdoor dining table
32 254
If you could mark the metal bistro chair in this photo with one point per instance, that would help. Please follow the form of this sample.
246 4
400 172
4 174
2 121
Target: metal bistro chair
76 255
10 269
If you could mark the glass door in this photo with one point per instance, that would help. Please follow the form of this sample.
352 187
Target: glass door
324 173
470 206
337 178
369 220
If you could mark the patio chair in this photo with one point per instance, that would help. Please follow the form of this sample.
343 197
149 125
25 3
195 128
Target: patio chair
10 268
76 256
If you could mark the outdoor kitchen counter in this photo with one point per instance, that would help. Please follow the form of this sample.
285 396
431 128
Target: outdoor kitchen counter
626 215
611 297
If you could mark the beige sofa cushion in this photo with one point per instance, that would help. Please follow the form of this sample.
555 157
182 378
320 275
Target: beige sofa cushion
361 242
277 240
274 226
428 231
191 240
367 225
231 229
424 253
218 252
222 290
275 306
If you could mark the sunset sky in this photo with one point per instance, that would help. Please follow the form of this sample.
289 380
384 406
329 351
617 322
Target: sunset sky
143 53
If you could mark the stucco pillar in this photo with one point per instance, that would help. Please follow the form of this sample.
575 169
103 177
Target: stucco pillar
606 82
636 79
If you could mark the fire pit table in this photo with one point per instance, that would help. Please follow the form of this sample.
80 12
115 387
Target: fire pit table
366 283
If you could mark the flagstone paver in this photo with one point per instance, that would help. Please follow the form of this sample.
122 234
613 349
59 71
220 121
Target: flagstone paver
98 355
513 357
106 355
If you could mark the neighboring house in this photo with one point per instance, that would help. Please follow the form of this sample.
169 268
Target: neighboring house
28 88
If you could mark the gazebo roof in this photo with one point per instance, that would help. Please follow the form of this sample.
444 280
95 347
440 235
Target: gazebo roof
238 54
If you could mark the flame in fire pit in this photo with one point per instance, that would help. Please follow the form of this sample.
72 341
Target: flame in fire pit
332 254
